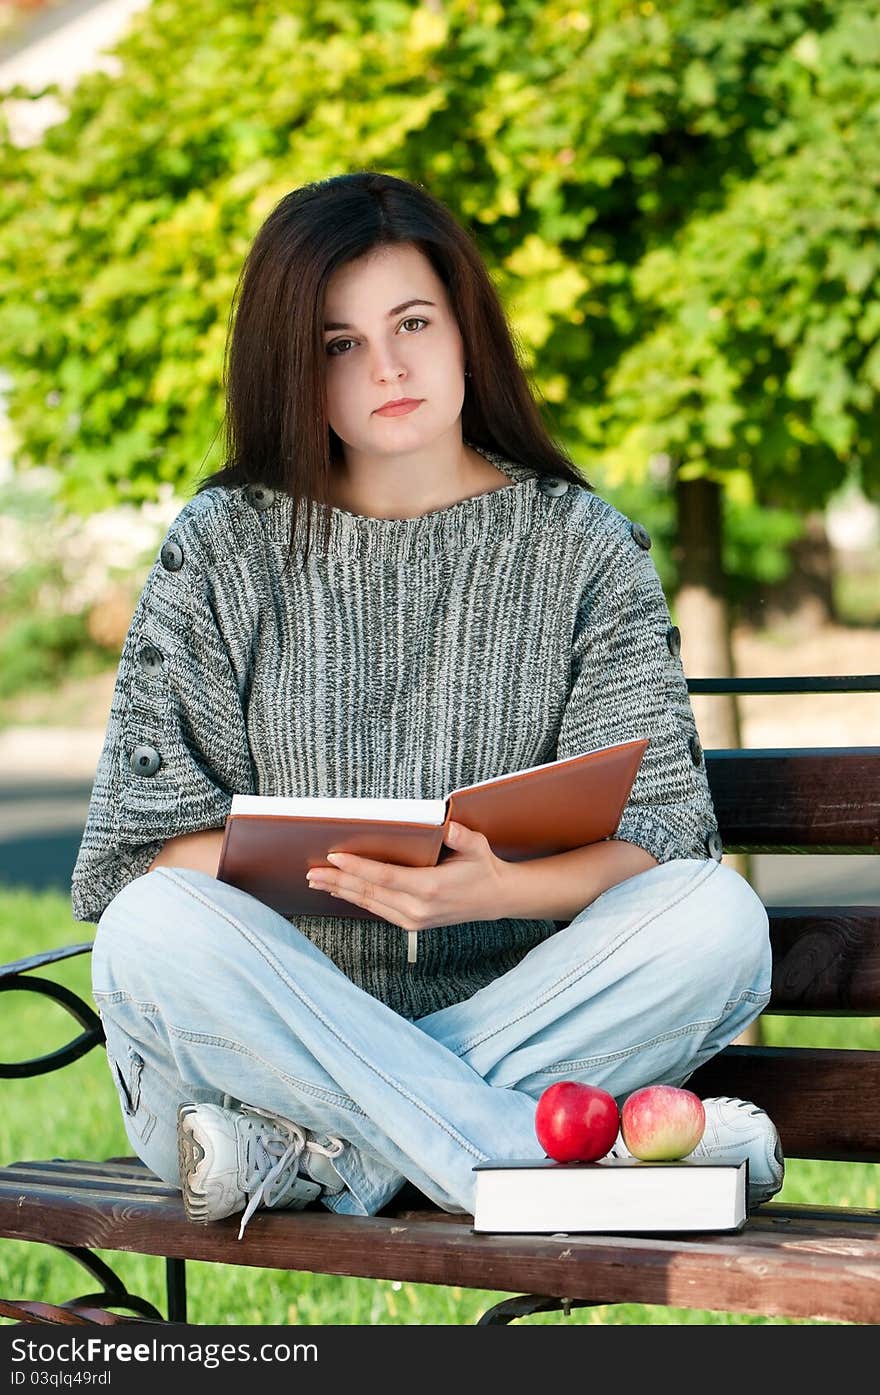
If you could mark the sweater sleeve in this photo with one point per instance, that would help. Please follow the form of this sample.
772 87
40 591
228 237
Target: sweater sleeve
628 683
176 746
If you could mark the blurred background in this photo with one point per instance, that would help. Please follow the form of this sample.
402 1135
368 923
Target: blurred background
679 204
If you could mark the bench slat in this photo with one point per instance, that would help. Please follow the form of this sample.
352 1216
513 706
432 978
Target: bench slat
111 1168
53 1180
802 800
824 1103
826 960
790 1264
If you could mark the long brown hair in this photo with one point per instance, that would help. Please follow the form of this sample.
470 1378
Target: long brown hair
276 428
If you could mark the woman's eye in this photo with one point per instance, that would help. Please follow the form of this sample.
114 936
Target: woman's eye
334 349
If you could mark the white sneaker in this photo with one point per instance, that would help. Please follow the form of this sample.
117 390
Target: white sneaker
235 1156
737 1129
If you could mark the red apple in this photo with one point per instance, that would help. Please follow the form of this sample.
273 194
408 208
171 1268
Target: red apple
575 1122
662 1122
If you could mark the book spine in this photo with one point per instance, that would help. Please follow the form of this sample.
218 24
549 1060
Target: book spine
223 846
444 851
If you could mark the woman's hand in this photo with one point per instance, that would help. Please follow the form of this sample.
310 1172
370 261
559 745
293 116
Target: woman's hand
469 886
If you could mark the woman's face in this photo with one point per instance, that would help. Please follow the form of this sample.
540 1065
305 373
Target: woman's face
416 351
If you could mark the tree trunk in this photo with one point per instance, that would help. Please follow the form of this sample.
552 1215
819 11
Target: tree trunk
703 618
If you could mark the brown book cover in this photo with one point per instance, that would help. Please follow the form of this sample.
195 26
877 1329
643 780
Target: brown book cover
271 841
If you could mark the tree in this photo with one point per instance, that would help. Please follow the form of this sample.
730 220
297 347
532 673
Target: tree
678 202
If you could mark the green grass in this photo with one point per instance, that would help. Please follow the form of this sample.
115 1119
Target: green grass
75 1113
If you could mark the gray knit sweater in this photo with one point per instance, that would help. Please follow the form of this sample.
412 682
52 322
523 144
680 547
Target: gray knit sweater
411 657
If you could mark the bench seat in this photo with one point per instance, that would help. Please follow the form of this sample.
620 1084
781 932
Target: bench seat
786 1262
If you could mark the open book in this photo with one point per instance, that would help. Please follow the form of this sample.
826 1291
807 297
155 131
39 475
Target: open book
271 841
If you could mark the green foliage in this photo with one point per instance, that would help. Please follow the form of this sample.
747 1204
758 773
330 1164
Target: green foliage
42 640
857 596
678 203
39 650
41 643
75 1114
755 549
755 543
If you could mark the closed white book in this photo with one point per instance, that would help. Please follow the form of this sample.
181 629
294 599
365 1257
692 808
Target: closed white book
614 1196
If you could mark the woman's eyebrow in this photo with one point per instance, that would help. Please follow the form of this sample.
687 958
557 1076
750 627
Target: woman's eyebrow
394 311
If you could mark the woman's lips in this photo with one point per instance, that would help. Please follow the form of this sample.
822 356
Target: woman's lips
400 411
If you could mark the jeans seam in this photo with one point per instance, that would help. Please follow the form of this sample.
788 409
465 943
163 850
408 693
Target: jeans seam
626 1052
148 1009
306 1087
185 1034
584 968
311 1007
688 1030
753 995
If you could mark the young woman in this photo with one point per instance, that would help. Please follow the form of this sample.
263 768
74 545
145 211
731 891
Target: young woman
374 600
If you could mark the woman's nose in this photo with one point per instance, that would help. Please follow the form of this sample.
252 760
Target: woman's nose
388 366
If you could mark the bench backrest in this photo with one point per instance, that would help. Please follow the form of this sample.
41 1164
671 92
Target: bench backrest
826 959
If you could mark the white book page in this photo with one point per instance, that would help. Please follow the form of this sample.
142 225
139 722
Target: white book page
426 811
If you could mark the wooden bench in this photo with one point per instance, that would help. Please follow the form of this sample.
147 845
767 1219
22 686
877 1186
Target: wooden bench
790 1260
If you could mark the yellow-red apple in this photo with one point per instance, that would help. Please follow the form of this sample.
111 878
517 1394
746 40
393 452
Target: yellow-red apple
662 1122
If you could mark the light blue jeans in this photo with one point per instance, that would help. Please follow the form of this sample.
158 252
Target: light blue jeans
205 991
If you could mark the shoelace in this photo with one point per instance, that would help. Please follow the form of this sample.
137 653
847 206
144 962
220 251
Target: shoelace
266 1146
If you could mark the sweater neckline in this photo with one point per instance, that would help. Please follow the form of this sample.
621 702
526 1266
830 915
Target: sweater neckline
506 510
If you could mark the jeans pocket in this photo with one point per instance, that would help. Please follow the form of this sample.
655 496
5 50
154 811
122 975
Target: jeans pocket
126 1065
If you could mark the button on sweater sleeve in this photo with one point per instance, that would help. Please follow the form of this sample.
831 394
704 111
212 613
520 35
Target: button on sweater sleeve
627 683
176 745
